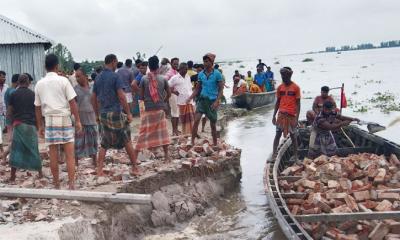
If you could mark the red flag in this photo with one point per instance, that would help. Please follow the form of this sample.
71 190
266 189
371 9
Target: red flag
343 100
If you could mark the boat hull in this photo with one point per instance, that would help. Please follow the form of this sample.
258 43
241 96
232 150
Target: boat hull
253 100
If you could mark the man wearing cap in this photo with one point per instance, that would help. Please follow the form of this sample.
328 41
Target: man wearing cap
209 88
288 108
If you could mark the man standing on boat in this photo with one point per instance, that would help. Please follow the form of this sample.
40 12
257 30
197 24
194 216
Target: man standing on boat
210 87
270 79
288 108
260 79
321 138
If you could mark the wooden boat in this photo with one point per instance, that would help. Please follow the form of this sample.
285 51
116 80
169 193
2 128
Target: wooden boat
289 223
253 100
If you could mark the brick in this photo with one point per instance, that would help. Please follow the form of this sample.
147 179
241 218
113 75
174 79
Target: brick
389 196
370 204
379 232
361 196
380 177
356 184
336 195
372 171
345 183
347 225
347 237
342 209
333 233
351 203
311 211
333 184
385 205
395 227
295 209
392 236
394 160
308 184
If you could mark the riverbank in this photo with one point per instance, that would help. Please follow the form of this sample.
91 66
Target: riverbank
180 190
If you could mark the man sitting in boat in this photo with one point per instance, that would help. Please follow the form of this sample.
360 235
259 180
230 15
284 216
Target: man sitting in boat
318 103
239 86
260 79
270 79
322 141
249 79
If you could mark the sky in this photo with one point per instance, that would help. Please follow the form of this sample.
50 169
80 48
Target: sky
246 29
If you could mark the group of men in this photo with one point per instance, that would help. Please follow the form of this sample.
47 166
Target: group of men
68 113
324 118
263 81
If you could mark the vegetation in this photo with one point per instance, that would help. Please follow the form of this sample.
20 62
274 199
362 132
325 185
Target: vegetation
64 56
363 46
308 60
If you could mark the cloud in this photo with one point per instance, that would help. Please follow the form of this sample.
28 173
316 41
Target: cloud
188 29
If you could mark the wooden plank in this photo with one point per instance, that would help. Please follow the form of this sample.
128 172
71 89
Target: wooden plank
76 195
342 217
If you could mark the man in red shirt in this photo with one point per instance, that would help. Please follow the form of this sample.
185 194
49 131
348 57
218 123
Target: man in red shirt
288 104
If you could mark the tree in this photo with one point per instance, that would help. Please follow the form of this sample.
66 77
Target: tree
64 57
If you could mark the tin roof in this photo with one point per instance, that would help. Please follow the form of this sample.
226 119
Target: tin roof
14 33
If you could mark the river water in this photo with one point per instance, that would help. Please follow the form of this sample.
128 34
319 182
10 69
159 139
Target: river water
245 214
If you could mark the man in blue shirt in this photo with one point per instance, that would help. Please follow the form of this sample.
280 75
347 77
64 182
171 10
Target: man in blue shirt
210 86
108 101
270 78
260 78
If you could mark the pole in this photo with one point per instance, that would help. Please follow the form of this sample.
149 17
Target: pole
341 98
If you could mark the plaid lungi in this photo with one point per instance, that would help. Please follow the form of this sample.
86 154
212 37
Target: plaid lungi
153 130
186 115
321 142
286 123
115 131
58 130
86 142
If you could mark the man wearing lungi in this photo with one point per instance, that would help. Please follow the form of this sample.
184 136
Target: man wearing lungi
181 86
210 88
55 100
155 93
109 102
288 108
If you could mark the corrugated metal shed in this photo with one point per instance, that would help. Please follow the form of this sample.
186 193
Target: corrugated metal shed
21 49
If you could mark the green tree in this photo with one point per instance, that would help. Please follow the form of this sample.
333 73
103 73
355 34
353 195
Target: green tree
64 56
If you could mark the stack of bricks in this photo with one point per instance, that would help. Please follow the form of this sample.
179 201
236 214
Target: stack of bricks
356 183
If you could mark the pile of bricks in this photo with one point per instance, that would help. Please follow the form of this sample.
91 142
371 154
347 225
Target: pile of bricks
356 183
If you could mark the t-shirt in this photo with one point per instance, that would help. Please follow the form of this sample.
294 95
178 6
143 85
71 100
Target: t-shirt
22 102
3 90
249 80
106 88
183 86
85 107
7 95
260 78
269 75
127 77
209 84
138 78
148 101
288 96
53 93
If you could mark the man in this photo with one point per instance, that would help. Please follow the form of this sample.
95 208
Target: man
85 141
236 75
154 91
288 108
135 68
109 101
321 138
135 87
190 70
3 108
126 75
249 79
261 64
181 86
55 101
318 103
7 95
72 77
239 86
119 65
173 99
25 146
260 79
209 88
164 66
195 78
270 79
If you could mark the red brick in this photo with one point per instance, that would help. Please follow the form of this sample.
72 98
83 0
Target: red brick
385 205
342 209
380 177
379 232
351 203
389 196
362 196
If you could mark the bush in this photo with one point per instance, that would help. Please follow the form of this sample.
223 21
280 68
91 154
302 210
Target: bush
308 60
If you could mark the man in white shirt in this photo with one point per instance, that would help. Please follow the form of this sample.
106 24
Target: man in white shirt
172 101
55 101
182 88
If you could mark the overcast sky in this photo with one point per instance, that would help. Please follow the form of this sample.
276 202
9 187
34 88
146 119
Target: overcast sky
188 29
